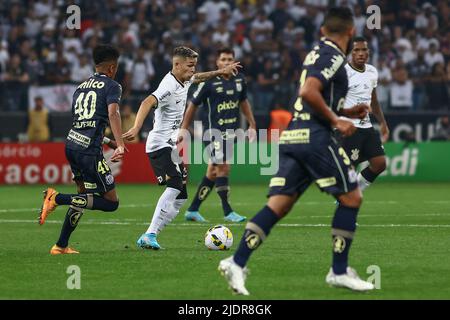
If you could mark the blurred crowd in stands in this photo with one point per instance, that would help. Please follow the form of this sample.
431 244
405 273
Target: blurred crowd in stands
270 38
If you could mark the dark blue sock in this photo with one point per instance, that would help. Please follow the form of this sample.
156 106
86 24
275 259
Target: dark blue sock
203 191
73 215
223 190
87 201
256 230
343 229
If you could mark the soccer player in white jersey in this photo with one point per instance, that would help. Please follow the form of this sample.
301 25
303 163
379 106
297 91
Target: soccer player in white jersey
365 144
169 101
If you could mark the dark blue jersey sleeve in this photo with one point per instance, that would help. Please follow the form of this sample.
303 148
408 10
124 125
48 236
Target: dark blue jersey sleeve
323 65
201 93
114 93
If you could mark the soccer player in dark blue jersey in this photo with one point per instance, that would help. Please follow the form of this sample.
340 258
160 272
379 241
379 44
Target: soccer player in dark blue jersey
222 98
95 103
309 153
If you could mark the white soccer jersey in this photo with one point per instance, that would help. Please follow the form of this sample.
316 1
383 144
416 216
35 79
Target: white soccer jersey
360 87
171 95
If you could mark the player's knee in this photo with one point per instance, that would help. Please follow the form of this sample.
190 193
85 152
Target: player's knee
223 170
211 172
111 206
281 205
352 199
175 183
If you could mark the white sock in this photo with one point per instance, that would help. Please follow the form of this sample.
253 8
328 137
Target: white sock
362 182
163 209
172 214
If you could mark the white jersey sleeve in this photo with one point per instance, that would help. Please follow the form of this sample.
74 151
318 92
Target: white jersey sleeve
171 95
165 89
360 88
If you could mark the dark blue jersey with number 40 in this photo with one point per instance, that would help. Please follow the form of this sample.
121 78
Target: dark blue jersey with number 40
90 113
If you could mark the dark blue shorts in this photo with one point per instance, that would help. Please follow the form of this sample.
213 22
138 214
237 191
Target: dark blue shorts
92 170
322 161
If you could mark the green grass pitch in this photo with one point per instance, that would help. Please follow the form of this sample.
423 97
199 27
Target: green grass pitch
403 229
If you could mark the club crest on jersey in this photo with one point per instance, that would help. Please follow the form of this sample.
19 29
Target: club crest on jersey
238 87
355 154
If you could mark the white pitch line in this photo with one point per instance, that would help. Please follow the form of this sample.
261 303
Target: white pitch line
198 225
300 203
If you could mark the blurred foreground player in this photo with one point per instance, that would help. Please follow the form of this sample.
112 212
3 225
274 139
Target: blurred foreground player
309 153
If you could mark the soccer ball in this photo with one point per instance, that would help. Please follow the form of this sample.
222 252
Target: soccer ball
218 238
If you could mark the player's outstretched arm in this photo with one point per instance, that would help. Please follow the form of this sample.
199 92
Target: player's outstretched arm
146 105
247 111
116 128
311 93
378 113
230 70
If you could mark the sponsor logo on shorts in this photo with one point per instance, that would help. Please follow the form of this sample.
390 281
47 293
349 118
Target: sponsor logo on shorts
89 185
277 182
326 182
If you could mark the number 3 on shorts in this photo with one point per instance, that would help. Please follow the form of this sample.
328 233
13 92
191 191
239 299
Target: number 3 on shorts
344 155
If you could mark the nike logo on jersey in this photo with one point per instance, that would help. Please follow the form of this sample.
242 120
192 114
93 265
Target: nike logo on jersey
178 101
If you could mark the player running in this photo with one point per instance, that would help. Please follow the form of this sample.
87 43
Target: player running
95 103
309 153
222 98
365 144
169 100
